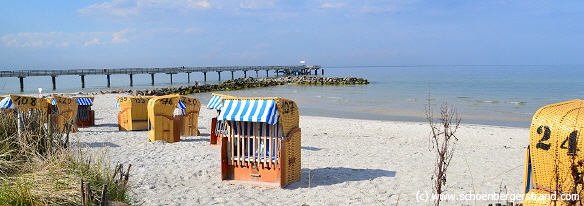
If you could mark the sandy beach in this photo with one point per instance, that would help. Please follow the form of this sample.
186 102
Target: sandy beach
344 162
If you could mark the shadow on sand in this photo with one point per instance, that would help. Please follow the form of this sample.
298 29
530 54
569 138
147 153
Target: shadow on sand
337 175
311 148
98 144
105 125
190 139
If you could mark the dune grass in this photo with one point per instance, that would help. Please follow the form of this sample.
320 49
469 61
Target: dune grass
39 166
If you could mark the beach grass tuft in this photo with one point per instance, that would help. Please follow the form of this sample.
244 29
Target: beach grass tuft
39 167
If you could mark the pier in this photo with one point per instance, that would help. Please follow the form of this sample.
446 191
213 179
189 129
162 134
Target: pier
285 70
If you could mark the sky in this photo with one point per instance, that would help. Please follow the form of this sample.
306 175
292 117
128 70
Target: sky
83 34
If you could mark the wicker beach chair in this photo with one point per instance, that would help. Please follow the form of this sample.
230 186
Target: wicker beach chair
262 141
165 114
189 116
85 115
21 106
22 102
63 113
554 156
217 127
133 113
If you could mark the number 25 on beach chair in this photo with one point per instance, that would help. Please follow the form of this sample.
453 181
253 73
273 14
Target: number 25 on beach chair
554 157
262 142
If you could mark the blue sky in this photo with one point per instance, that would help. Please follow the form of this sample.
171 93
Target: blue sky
165 33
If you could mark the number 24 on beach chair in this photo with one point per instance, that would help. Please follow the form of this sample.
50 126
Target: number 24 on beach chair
262 142
554 157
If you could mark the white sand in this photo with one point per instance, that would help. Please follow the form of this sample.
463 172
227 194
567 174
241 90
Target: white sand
357 162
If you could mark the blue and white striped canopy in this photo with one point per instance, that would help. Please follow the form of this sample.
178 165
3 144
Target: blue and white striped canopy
84 101
215 103
181 105
6 103
250 111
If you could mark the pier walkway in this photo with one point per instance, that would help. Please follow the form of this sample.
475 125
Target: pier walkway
287 70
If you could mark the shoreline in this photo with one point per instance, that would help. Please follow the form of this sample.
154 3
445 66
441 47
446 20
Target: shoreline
403 116
241 84
349 161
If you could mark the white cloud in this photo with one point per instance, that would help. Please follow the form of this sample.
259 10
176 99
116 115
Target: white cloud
257 4
119 37
204 4
115 7
125 8
377 9
94 41
62 39
332 5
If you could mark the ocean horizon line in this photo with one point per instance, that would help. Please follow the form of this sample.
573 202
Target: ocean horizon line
448 65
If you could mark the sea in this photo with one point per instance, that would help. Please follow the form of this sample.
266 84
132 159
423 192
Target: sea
499 95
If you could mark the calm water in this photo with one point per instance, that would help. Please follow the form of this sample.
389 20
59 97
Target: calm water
495 95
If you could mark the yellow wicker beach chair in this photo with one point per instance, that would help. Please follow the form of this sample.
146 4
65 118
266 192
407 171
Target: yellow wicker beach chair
217 128
262 141
162 124
22 102
164 117
64 113
189 117
85 115
133 113
554 156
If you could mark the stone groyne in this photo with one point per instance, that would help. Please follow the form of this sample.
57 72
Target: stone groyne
244 83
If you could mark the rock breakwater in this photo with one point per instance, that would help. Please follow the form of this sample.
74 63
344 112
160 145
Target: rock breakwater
244 83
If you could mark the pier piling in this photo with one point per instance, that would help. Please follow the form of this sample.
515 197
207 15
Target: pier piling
219 73
152 77
54 80
267 73
131 81
171 78
82 81
245 74
257 74
108 80
204 76
188 77
21 84
232 75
